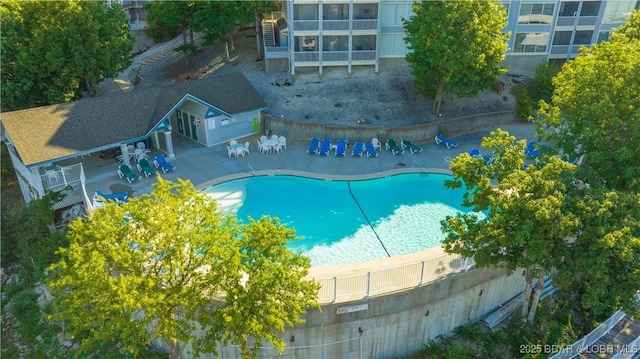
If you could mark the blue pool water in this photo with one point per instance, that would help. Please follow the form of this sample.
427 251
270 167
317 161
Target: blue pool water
333 216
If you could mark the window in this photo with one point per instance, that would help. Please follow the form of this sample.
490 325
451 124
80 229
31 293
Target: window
590 8
364 42
365 11
569 8
335 12
394 13
617 11
335 43
603 36
562 37
583 37
305 12
306 43
535 13
531 42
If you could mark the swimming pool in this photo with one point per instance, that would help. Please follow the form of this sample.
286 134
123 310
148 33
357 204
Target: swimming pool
348 221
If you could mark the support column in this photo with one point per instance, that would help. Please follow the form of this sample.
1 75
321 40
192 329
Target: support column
125 155
167 139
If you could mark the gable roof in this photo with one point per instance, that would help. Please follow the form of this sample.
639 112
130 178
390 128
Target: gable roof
47 133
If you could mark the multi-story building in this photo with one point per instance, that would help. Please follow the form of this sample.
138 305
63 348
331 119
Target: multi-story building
322 33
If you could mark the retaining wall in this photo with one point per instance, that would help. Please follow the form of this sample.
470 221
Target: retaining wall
395 325
301 132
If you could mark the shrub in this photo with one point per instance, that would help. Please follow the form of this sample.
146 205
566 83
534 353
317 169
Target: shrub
525 105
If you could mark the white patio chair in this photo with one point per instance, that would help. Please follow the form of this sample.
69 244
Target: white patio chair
376 144
283 142
239 152
246 148
263 138
274 137
277 147
229 151
233 142
141 146
259 145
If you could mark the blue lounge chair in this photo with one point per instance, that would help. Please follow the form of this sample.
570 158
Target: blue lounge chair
125 172
162 164
413 148
341 148
144 167
357 149
313 146
371 151
391 145
117 197
325 148
475 152
532 150
450 143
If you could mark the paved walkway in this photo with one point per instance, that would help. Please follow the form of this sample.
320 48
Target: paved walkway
204 166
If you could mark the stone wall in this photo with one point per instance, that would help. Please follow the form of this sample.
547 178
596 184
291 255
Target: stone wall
301 132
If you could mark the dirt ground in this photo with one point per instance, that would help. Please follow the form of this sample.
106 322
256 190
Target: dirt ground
388 98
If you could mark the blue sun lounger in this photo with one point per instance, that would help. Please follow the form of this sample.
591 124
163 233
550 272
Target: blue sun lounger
357 149
325 148
313 146
371 151
450 143
121 196
162 164
532 150
341 148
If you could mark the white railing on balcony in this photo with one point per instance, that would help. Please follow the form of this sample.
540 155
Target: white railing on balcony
335 25
335 56
370 24
306 56
363 55
391 279
305 25
62 176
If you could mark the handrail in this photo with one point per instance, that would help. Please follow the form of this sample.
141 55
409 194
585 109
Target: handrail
170 45
585 342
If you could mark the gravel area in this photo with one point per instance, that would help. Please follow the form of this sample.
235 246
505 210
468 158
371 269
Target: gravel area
388 98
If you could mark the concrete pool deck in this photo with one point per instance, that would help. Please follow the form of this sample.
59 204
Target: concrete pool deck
208 166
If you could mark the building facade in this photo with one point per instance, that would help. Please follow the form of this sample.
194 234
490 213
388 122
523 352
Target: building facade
347 33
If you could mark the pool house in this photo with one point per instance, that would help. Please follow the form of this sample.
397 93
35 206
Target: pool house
206 112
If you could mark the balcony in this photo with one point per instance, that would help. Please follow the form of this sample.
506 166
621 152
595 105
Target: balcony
365 24
305 25
59 177
306 56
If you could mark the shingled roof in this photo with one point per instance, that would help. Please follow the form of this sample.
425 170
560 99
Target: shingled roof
44 134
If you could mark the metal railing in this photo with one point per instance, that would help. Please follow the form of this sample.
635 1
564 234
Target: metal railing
391 279
587 341
161 50
62 176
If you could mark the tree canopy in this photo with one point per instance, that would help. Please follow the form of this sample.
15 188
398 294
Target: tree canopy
168 265
456 46
595 108
525 225
53 52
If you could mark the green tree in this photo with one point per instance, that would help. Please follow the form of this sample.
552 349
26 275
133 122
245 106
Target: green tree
455 46
53 52
525 226
595 109
602 272
169 265
172 17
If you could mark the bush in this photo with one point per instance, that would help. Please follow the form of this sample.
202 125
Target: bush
525 105
541 86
